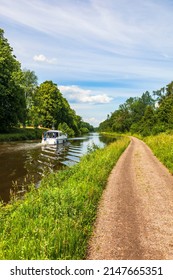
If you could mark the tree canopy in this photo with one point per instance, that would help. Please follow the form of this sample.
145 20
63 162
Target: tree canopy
23 101
51 109
12 99
148 114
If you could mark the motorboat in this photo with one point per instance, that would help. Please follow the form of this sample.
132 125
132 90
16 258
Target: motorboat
54 137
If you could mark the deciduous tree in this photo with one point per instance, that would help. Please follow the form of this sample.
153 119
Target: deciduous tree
12 99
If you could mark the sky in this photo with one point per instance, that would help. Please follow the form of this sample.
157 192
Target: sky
98 52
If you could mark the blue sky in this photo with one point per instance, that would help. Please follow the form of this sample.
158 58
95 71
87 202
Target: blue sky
98 52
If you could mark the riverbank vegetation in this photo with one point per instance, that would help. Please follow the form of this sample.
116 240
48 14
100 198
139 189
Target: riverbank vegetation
20 134
162 147
147 115
24 102
55 220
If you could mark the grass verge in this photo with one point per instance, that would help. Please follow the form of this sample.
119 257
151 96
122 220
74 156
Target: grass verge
162 147
55 221
22 134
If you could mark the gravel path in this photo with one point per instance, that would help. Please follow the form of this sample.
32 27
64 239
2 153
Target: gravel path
135 216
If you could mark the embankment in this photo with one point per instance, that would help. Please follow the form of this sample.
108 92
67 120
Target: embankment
55 221
20 134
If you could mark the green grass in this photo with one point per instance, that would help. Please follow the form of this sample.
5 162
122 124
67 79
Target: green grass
162 147
55 221
21 134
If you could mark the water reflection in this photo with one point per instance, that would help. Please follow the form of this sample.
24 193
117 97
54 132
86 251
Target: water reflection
25 162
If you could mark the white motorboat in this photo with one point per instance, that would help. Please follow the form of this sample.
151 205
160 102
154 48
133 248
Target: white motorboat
54 137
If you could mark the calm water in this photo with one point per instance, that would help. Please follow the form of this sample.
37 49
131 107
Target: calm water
28 161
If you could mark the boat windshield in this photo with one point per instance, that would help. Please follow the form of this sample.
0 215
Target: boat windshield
51 134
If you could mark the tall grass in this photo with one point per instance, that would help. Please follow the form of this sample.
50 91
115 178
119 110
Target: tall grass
55 221
162 146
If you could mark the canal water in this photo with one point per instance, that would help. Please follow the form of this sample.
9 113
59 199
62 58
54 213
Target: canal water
24 162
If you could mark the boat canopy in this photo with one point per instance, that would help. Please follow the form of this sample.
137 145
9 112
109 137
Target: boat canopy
54 133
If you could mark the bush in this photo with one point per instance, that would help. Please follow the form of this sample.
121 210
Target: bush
66 129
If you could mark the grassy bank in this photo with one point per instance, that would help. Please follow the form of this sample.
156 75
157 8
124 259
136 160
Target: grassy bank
162 147
55 221
21 134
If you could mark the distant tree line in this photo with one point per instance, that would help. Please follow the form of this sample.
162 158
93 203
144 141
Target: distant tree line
149 114
24 102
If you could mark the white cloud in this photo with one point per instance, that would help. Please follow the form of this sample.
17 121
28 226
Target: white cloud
43 58
39 57
104 24
100 98
81 30
113 48
76 94
95 122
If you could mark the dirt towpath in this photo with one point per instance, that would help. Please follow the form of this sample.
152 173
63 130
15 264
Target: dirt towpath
135 215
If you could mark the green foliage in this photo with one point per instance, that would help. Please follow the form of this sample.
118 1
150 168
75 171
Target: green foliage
92 147
55 221
47 105
28 82
84 130
84 126
130 115
12 99
22 101
66 129
22 134
162 147
147 115
51 109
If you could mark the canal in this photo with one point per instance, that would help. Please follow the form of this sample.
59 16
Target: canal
24 162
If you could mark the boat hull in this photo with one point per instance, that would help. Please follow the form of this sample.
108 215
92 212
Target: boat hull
52 141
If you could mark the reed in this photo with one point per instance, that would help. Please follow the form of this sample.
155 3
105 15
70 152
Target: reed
55 221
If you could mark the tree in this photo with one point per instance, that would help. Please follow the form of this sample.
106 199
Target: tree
159 95
129 115
12 99
169 89
28 82
66 129
85 127
148 121
51 109
47 105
